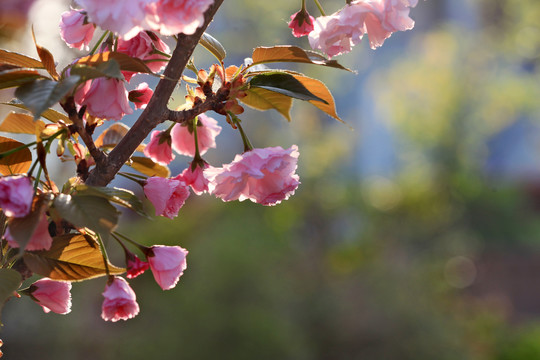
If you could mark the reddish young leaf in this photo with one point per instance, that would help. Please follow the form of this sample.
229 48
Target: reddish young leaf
19 60
16 163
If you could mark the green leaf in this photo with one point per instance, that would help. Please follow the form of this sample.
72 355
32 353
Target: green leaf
10 280
49 114
17 123
72 257
147 167
213 46
93 212
285 84
22 229
16 163
126 62
262 99
39 95
119 196
18 77
287 53
317 88
110 69
19 60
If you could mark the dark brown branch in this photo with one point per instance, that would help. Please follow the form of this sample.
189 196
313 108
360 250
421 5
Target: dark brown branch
156 111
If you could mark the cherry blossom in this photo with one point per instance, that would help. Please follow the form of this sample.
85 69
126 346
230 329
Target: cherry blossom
167 195
74 31
52 295
16 194
167 264
120 301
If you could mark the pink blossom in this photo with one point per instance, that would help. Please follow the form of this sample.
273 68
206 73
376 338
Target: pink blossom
142 47
167 195
195 178
105 98
124 17
135 266
74 31
183 141
16 194
52 295
301 23
159 148
265 176
141 96
40 239
167 264
170 17
120 301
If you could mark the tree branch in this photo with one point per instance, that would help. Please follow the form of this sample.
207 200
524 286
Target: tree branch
156 111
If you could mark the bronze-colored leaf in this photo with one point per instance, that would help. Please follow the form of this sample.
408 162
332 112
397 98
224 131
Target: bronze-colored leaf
19 60
147 167
72 257
287 53
18 77
49 114
320 90
17 123
16 163
112 136
47 58
262 99
126 62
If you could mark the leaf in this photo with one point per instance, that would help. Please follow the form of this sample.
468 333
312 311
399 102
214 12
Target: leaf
285 84
39 95
10 280
72 257
46 57
17 77
112 136
19 60
110 69
17 163
49 114
93 212
122 197
213 46
147 167
320 90
126 62
262 99
22 229
17 123
287 53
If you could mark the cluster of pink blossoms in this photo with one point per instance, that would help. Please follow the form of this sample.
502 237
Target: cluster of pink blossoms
337 33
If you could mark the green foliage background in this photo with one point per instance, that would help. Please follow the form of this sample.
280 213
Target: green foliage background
351 267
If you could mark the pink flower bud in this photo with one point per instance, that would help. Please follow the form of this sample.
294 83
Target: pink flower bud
120 301
40 240
52 295
159 148
167 195
74 31
301 23
143 47
183 141
135 266
16 194
105 98
265 176
141 96
195 178
167 264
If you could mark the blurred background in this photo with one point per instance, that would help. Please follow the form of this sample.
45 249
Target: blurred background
416 235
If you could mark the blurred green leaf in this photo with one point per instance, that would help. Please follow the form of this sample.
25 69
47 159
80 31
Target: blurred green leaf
18 77
119 196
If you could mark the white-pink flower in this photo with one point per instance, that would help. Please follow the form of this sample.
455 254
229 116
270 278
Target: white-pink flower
16 194
265 176
167 264
170 17
159 148
105 98
195 178
40 239
183 140
124 17
120 301
52 295
167 195
74 31
141 95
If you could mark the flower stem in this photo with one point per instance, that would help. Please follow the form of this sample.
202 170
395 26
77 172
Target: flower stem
94 49
237 121
103 253
319 7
